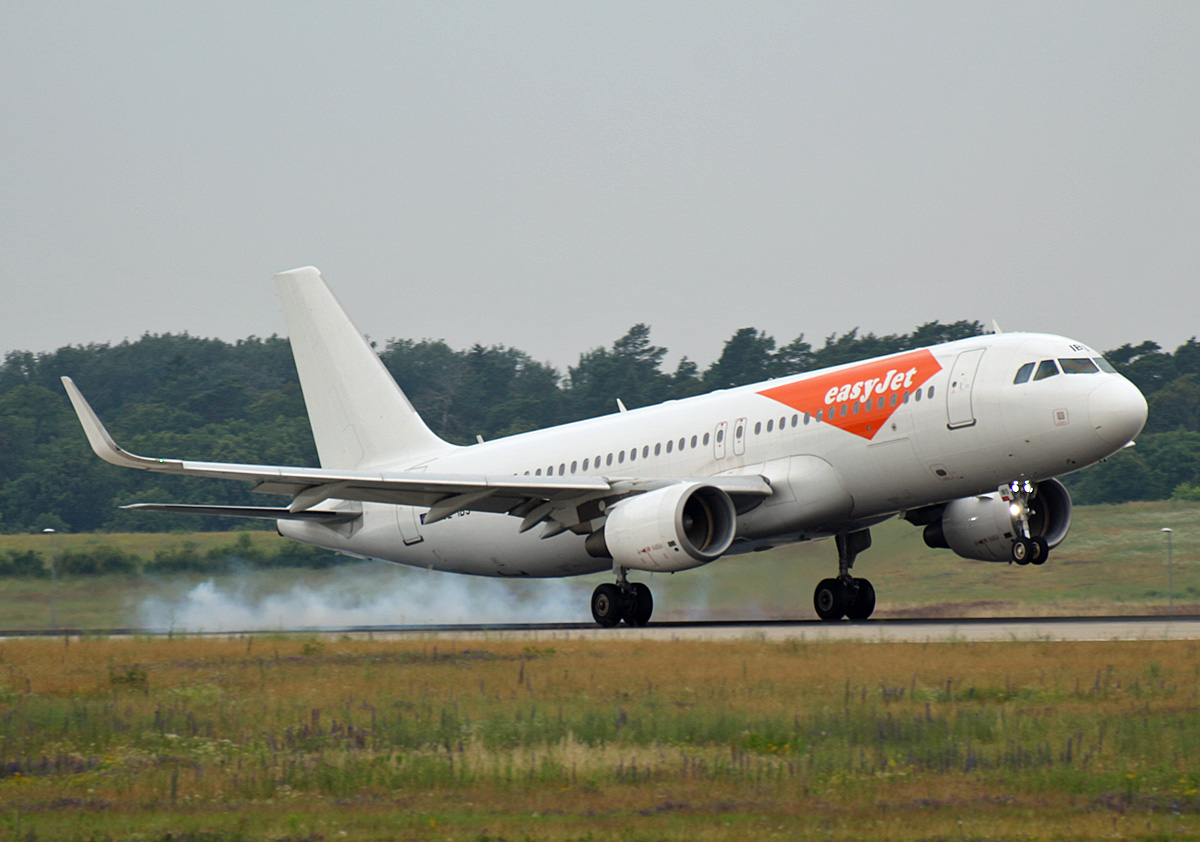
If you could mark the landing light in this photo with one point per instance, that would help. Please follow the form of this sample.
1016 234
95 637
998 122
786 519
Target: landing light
1014 509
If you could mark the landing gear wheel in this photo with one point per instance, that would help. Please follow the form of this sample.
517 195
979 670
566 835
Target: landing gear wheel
639 605
831 600
608 606
862 604
1041 550
1022 551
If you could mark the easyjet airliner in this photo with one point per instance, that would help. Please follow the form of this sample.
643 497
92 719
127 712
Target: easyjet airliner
964 439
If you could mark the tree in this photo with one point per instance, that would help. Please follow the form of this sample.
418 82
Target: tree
746 358
1121 478
630 371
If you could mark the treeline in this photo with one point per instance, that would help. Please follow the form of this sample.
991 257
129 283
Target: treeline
205 399
188 557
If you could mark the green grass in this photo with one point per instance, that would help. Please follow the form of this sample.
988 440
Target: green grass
291 737
1114 561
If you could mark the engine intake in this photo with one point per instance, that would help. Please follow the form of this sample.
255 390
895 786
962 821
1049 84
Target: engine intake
672 528
983 527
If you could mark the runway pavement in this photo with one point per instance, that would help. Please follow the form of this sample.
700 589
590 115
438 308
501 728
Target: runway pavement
1005 629
915 631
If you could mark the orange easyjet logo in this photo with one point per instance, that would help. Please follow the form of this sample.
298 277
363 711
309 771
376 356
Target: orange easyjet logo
859 399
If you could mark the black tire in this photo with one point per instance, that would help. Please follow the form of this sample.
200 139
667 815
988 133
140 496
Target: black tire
1041 550
830 600
608 607
1022 550
639 605
862 605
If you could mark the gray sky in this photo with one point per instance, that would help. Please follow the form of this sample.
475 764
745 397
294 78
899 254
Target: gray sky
544 175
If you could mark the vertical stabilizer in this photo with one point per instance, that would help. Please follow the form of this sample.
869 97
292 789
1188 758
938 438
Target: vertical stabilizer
360 418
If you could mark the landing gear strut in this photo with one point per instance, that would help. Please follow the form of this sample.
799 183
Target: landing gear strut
846 596
628 601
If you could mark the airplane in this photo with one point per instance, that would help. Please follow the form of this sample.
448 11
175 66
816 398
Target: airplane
965 439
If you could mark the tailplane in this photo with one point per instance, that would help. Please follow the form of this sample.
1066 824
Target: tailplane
360 418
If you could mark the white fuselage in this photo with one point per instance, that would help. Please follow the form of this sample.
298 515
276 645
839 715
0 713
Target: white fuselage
894 434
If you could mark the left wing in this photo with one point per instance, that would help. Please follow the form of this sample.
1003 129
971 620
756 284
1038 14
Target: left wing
573 502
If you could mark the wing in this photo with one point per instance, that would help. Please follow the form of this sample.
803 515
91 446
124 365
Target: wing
573 503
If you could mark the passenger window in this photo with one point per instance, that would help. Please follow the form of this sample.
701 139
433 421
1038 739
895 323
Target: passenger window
1105 365
586 462
782 422
562 469
574 466
820 414
621 458
682 442
1046 368
538 472
633 454
1023 374
906 394
918 394
658 449
1080 365
771 425
720 436
608 461
757 428
806 419
929 394
856 405
694 440
645 451
843 410
706 439
550 471
795 420
670 445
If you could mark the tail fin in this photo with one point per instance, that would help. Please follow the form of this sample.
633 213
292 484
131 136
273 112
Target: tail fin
359 416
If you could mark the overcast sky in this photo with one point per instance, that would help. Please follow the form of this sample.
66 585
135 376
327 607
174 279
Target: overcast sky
544 175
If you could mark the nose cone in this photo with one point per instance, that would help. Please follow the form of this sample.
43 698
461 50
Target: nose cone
1117 410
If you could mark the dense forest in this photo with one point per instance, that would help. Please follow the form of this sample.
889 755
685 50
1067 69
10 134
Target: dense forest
205 399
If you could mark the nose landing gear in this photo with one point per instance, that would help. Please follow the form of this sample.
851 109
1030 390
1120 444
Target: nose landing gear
628 601
846 596
1026 548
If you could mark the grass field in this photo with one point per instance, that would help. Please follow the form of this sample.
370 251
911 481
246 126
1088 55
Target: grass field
323 738
1114 561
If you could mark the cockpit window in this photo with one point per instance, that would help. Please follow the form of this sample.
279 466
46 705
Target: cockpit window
1023 373
1046 368
1105 365
1079 365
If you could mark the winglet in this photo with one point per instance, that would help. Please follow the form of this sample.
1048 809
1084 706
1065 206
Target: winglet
102 443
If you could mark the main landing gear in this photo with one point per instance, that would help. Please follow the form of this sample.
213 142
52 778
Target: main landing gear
846 596
628 601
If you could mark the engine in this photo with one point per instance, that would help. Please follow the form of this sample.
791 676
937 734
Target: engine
672 528
985 528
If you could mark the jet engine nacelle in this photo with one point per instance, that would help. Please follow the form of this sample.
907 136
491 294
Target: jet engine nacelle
672 528
984 527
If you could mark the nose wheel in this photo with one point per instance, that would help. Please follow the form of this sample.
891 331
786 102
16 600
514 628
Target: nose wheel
628 601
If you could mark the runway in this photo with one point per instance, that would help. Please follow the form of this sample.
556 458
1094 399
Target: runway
1178 627
911 631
